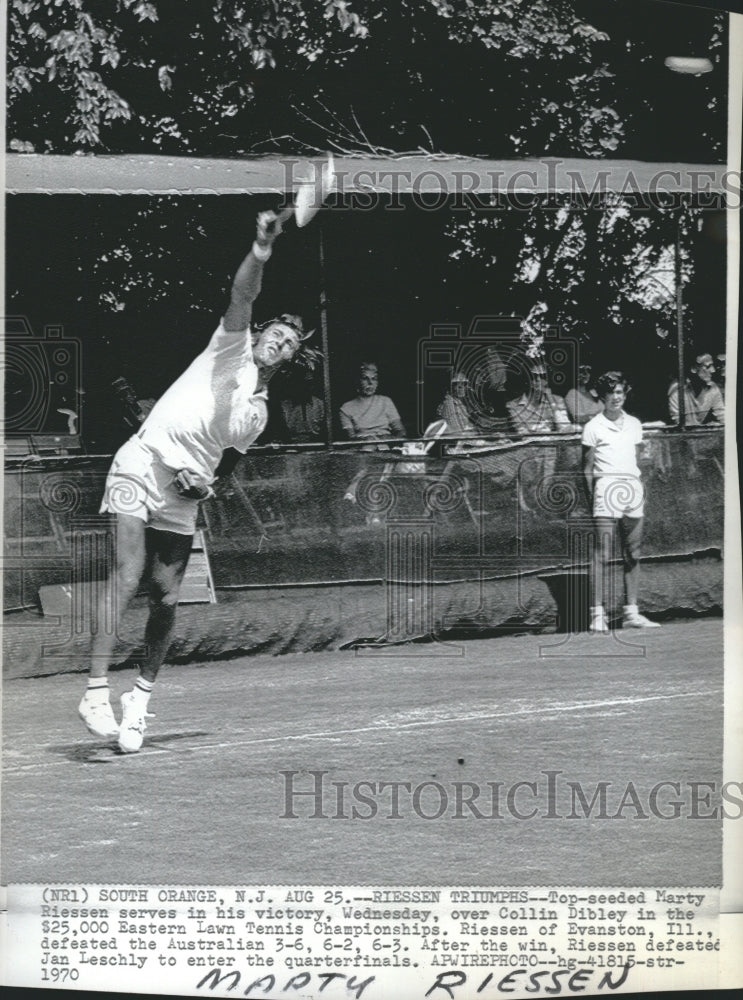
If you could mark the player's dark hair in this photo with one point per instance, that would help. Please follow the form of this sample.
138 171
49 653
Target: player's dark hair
608 382
306 364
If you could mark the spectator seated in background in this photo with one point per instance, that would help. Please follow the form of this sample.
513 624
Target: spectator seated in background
302 419
703 400
487 391
582 402
300 414
145 405
453 408
369 416
539 410
720 365
133 411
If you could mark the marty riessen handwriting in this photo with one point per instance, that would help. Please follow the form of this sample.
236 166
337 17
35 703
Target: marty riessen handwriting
446 984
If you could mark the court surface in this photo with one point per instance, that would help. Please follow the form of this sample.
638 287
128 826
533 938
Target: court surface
205 800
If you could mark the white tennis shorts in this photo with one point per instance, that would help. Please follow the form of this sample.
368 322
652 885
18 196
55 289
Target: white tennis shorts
618 496
139 484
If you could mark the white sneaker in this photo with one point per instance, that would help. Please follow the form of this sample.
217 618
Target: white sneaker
598 622
634 619
98 716
133 725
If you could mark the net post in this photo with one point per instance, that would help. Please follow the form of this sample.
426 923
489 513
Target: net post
681 395
325 346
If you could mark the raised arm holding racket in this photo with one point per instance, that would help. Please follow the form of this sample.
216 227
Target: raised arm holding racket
217 407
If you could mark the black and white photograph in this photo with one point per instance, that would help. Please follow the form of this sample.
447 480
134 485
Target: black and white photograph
371 561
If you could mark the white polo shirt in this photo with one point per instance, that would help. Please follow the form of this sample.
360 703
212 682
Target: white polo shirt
215 404
617 488
614 443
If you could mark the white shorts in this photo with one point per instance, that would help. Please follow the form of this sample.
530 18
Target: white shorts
139 484
618 496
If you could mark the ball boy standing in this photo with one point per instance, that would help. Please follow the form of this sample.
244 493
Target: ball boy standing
611 442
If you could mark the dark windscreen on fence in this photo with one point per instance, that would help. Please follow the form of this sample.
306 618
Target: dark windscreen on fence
319 517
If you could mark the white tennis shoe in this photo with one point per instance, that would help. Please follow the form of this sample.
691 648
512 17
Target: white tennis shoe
633 619
133 724
96 712
598 621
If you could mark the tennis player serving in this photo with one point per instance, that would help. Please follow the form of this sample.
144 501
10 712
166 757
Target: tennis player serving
211 414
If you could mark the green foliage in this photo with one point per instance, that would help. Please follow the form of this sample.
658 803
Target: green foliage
139 271
592 274
492 78
523 29
57 51
184 68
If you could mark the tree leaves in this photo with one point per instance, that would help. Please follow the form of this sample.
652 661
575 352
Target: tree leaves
522 77
582 272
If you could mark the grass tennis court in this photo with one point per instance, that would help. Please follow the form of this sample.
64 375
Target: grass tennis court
203 802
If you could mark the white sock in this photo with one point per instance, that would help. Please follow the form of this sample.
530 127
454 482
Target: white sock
142 690
597 612
630 609
97 689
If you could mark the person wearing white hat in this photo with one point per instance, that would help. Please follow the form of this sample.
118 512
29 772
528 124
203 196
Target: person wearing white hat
453 408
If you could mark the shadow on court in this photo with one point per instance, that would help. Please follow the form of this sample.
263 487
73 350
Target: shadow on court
394 767
104 749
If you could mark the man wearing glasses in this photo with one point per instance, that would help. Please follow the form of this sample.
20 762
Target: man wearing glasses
702 396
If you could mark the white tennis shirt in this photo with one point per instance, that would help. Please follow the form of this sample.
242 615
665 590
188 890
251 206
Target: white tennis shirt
215 404
614 443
